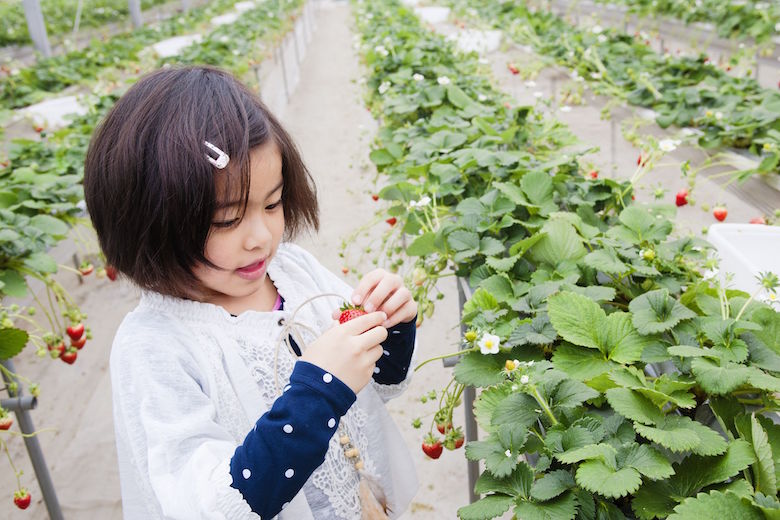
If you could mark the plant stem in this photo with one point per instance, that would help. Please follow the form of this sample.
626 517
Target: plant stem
543 403
445 356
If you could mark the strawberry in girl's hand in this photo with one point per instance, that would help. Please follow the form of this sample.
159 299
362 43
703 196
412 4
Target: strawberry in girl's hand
681 199
75 331
22 498
6 421
720 213
432 447
350 312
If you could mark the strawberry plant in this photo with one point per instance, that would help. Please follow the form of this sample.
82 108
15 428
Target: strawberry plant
615 381
685 91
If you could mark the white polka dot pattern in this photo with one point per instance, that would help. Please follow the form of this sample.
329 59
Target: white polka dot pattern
331 422
246 473
287 428
376 370
286 388
327 377
386 353
289 473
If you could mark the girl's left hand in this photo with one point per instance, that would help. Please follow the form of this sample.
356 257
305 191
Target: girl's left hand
383 291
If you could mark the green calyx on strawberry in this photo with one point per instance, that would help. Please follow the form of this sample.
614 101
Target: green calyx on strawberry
454 439
443 421
22 498
350 312
432 447
86 268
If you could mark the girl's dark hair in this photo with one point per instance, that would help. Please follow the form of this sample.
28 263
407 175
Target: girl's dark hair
149 188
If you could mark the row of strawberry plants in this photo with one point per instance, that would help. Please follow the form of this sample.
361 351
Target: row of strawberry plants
22 87
580 299
41 201
58 15
685 91
731 19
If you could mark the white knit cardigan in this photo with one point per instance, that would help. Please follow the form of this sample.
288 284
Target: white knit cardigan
189 381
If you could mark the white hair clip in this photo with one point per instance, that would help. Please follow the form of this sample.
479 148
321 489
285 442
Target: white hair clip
222 159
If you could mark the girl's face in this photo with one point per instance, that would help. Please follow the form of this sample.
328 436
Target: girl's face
244 249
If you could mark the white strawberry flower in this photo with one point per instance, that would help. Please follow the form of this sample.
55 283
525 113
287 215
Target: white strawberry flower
530 84
718 115
597 29
668 145
384 87
489 343
482 97
418 77
524 380
508 454
602 38
224 39
595 75
443 80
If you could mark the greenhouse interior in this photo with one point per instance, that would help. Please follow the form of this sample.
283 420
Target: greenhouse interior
413 259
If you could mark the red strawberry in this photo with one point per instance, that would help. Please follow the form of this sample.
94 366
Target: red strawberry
459 441
78 343
86 268
432 447
344 270
5 422
594 174
22 498
38 128
75 331
443 426
350 312
69 356
111 272
681 199
392 221
375 197
757 220
720 213
513 69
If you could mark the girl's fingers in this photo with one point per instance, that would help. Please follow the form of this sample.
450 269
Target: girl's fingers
387 286
361 324
404 314
396 300
375 353
372 337
366 285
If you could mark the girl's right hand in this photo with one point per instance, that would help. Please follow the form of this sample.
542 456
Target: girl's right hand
350 350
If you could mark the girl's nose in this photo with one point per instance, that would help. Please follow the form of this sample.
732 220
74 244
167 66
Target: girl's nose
258 235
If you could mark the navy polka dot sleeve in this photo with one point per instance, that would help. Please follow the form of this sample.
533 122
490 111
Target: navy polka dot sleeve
398 348
290 440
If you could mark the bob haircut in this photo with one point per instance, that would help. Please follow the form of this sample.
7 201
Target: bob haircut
152 193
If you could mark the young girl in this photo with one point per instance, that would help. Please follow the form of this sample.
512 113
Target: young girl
235 394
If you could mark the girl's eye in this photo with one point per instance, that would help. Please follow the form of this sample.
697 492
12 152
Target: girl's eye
225 223
274 205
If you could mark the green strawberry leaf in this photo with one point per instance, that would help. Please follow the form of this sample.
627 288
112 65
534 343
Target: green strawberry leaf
486 508
620 340
715 505
634 406
551 485
576 318
697 472
486 403
571 394
605 260
520 410
653 500
477 369
719 380
581 363
538 332
561 243
764 469
646 460
597 477
680 433
656 311
564 507
602 451
517 484
12 342
769 505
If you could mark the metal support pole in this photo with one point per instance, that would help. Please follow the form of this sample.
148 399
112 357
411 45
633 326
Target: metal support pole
34 15
33 447
135 13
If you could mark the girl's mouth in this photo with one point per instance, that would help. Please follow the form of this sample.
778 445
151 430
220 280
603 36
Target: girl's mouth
252 271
